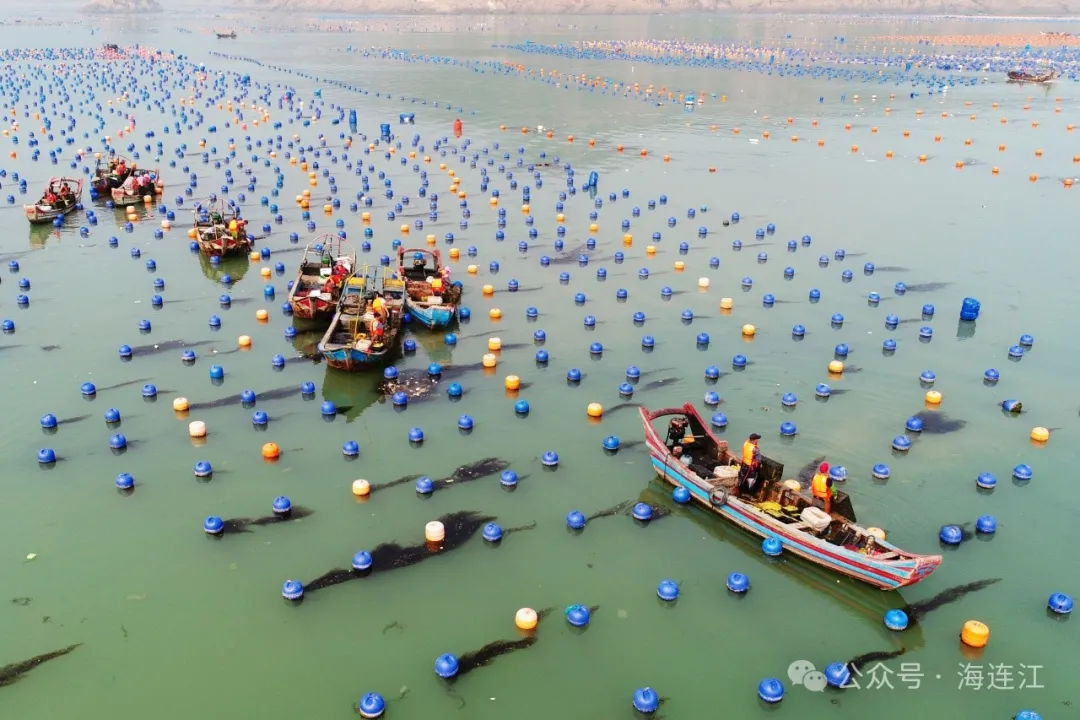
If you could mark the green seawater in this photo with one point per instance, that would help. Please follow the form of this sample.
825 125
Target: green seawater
177 625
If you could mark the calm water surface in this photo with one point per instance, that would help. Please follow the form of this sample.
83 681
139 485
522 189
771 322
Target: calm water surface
175 624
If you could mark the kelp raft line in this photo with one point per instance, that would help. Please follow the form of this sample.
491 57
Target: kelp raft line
470 471
460 526
450 668
10 674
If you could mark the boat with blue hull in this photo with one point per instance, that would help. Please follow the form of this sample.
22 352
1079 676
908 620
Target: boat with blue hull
366 325
777 508
430 297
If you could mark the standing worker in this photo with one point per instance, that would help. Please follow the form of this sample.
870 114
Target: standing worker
822 487
751 461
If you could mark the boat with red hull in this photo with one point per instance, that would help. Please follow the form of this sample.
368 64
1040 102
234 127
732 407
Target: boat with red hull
328 261
777 508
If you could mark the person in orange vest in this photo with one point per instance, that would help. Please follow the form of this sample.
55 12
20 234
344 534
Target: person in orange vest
50 198
751 461
822 487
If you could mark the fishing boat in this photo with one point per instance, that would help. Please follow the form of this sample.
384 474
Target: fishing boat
105 176
1024 76
429 295
777 508
219 230
231 35
348 343
46 209
328 260
136 189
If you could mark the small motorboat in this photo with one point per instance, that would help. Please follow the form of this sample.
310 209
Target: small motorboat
430 297
1022 76
61 196
139 185
106 177
231 35
776 508
219 230
349 343
328 261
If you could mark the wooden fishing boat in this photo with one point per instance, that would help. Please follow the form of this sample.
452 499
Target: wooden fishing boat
430 297
44 211
777 508
1024 76
348 344
153 187
219 230
328 261
105 177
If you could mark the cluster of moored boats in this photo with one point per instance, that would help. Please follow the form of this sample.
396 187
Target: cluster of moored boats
364 307
115 180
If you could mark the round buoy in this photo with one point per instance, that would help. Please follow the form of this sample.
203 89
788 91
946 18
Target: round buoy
837 674
986 481
986 524
975 634
1060 603
771 690
901 443
271 451
197 429
951 534
446 666
578 615
526 619
738 583
836 367
880 471
434 532
749 330
667 590
292 590
1023 472
646 700
371 705
680 495
772 546
594 410
492 533
896 620
1040 434
361 488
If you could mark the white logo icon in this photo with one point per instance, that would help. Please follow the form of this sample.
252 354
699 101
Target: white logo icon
803 672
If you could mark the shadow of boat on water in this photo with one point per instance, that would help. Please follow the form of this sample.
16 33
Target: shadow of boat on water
353 393
235 265
858 599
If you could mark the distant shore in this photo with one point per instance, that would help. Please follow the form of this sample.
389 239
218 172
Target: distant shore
1035 10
